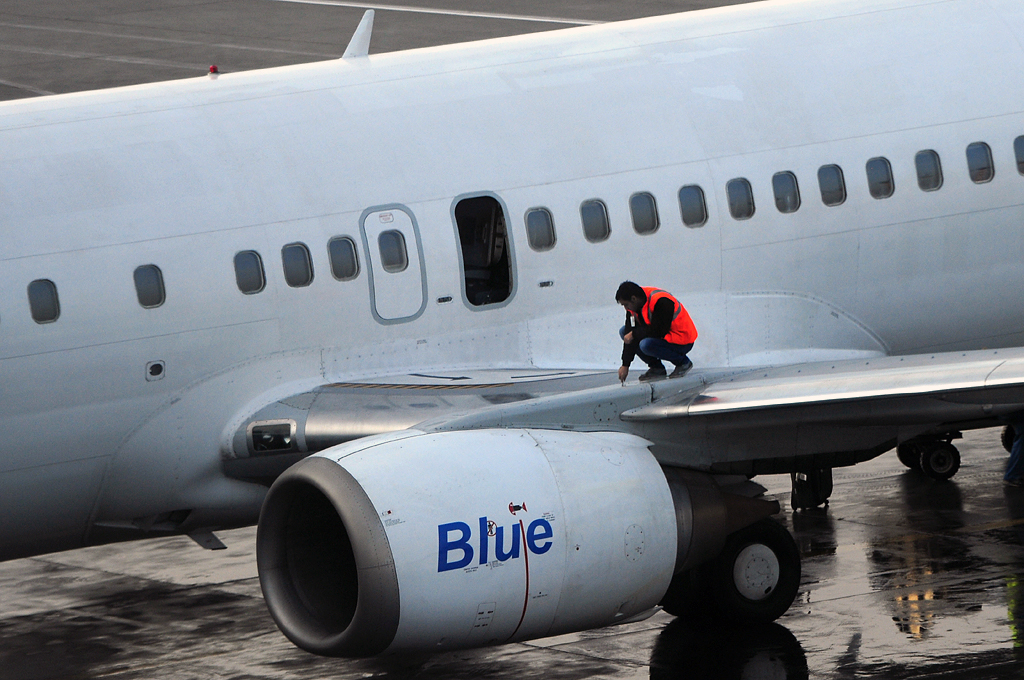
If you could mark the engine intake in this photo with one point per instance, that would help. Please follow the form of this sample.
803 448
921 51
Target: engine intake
335 590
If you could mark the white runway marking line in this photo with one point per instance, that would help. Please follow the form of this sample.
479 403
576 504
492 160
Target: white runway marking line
172 41
27 88
447 12
138 61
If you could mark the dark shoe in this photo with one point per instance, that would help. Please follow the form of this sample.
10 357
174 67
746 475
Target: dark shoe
653 373
681 370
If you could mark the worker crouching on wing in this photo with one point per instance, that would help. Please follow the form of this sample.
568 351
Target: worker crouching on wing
657 328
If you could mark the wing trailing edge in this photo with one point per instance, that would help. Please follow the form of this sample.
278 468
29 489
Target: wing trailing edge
980 377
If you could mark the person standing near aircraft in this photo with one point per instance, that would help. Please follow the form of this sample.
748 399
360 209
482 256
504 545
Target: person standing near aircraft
657 328
1014 475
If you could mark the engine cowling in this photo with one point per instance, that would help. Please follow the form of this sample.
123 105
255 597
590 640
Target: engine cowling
433 541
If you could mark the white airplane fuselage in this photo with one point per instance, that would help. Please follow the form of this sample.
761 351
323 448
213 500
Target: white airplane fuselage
185 175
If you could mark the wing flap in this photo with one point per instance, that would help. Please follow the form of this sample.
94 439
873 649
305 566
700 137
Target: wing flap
982 377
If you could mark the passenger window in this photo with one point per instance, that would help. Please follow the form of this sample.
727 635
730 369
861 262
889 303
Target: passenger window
298 265
929 170
249 272
149 286
787 193
880 182
741 198
486 250
540 229
832 185
42 300
979 162
644 211
1018 151
341 251
594 216
393 254
692 207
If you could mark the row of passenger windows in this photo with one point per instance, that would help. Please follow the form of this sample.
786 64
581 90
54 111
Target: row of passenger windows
540 227
832 185
643 210
44 303
297 261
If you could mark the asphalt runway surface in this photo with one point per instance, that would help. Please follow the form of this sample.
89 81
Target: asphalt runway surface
903 577
59 46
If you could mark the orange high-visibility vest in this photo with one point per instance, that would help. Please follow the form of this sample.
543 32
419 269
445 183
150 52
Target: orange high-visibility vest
682 331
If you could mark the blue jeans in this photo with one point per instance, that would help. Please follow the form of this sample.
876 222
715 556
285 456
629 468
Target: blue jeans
662 349
653 350
1015 466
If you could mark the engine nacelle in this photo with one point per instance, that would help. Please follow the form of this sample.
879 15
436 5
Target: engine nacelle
432 541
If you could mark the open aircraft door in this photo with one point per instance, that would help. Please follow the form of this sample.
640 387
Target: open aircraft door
398 287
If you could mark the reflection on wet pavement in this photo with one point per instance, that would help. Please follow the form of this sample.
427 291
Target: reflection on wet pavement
689 649
923 579
904 577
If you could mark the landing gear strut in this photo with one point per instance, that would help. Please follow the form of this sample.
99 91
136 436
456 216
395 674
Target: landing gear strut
810 489
936 458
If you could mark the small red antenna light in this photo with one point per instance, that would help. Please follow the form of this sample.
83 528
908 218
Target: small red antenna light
214 71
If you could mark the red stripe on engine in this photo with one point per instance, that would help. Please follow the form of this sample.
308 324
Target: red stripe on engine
526 558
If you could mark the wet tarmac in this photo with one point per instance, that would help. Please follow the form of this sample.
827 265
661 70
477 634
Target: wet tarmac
903 577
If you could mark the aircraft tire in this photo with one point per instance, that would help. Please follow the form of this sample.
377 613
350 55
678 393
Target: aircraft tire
909 454
756 577
940 460
1007 438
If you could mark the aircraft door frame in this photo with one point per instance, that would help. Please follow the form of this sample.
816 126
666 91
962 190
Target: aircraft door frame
395 296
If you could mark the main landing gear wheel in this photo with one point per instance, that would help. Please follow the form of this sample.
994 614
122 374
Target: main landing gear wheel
940 460
756 576
936 458
910 455
753 580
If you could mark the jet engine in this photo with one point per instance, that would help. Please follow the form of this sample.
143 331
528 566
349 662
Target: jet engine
437 540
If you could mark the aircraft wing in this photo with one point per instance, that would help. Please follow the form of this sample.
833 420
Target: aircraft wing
742 421
820 415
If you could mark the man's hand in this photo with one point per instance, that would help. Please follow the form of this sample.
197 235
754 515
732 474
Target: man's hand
623 372
628 338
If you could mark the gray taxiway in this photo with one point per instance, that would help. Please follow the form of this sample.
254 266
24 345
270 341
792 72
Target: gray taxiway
903 577
59 46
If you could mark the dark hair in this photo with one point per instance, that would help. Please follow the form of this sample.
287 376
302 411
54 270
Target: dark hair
627 290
